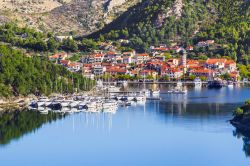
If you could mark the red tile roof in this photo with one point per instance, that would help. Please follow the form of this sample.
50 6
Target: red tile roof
202 70
111 53
144 54
228 62
65 62
214 61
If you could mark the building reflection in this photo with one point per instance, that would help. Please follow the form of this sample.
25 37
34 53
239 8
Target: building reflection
179 106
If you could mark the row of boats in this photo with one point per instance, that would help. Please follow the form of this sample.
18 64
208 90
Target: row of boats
83 104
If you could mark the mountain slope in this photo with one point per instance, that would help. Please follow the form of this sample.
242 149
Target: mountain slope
155 21
184 21
63 16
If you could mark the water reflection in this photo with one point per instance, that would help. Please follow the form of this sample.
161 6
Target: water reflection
99 121
245 136
14 125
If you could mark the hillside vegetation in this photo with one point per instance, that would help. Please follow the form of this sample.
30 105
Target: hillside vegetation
22 75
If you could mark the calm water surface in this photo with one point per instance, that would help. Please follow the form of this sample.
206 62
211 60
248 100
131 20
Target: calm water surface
179 130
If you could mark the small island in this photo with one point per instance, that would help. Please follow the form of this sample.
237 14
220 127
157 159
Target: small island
241 118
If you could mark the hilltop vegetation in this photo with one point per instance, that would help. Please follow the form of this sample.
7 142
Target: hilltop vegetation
232 29
32 40
22 75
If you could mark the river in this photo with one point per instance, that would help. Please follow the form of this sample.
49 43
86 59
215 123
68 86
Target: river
190 129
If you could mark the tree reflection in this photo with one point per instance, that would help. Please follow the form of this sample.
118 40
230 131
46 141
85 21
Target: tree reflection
245 135
15 124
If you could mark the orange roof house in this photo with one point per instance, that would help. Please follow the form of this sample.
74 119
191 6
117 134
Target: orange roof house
215 61
61 56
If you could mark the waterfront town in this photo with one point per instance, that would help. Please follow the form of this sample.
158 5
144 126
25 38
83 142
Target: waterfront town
161 63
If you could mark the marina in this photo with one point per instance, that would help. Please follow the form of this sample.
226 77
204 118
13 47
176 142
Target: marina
109 97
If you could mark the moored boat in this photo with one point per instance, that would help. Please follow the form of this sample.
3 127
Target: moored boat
217 84
155 92
197 82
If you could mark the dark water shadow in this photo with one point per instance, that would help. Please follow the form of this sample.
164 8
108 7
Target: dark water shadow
245 136
14 125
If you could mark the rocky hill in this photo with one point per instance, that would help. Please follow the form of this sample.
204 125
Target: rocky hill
80 16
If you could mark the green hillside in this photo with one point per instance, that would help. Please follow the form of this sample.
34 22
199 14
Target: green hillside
157 21
22 75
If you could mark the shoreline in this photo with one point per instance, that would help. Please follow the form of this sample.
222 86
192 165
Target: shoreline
14 103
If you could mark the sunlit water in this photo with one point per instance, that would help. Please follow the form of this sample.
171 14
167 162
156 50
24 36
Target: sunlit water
178 130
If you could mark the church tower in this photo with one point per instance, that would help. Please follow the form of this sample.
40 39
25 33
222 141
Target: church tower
183 60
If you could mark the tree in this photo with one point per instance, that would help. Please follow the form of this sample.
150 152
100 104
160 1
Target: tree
226 76
88 44
149 77
192 77
70 45
238 112
22 75
247 102
166 78
167 55
52 44
203 78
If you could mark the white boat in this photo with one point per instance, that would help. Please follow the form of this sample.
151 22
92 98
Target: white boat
109 104
42 110
91 105
230 84
56 111
65 103
66 110
74 104
140 98
125 83
75 110
179 84
178 91
82 105
146 91
113 89
99 84
93 110
109 110
41 101
99 105
130 98
156 92
197 82
141 102
47 103
31 108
